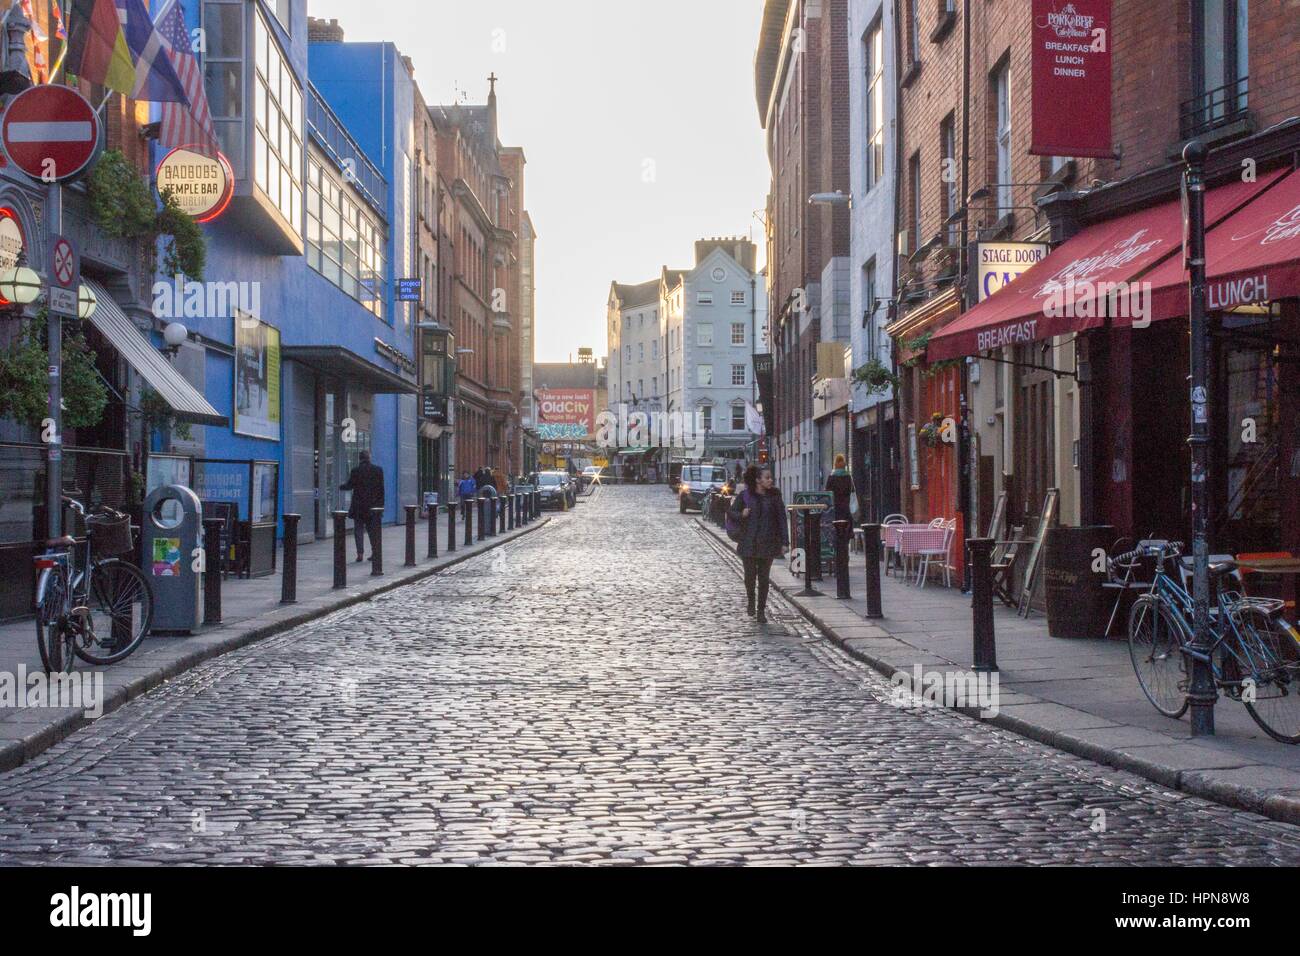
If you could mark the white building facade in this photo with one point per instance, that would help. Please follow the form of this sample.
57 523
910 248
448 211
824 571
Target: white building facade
873 174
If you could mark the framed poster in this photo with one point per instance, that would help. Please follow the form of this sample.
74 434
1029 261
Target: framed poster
257 379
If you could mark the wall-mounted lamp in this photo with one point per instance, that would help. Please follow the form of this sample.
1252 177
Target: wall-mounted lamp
175 336
20 286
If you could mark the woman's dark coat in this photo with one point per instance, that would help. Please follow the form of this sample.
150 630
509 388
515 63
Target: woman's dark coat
765 533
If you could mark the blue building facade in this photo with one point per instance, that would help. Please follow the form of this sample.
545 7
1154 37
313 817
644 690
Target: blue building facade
298 338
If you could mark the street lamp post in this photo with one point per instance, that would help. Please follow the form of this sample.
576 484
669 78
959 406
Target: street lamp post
1202 695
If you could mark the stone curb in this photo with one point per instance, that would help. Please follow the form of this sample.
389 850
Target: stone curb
1282 807
14 753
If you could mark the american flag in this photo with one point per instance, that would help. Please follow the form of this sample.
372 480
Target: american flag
184 125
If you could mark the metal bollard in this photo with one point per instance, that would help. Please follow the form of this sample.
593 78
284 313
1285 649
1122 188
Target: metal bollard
537 504
289 574
842 591
212 570
340 550
433 531
411 511
815 552
510 512
377 542
980 552
468 506
871 547
809 542
451 528
482 520
501 515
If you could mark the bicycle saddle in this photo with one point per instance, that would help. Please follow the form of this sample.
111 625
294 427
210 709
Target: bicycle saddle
67 541
1219 563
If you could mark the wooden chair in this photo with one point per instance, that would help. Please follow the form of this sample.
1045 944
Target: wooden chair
1004 567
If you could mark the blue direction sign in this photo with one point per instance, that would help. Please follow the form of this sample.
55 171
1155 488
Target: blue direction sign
409 290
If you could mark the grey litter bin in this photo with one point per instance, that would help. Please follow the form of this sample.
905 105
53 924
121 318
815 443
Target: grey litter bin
172 522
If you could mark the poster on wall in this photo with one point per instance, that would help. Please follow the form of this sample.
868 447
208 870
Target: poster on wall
1071 42
566 413
257 379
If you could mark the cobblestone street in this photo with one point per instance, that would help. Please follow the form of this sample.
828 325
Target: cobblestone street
593 693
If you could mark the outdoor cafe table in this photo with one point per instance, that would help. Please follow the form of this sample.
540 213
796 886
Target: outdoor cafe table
891 537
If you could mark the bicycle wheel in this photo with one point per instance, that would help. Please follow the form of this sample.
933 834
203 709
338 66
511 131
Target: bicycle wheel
52 637
1155 645
1276 707
121 609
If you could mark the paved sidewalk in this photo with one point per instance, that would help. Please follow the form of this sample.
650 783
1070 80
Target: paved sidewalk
1079 695
251 611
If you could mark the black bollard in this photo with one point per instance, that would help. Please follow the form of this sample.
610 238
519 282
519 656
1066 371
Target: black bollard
482 520
340 550
809 541
871 545
410 534
433 531
468 506
451 528
289 574
510 512
377 542
501 514
815 552
842 527
537 504
212 528
979 552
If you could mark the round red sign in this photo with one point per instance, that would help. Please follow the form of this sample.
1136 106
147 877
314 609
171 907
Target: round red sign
50 133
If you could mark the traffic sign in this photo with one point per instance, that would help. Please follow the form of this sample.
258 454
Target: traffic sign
50 132
65 276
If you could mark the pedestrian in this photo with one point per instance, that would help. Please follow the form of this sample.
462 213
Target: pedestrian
499 480
481 478
468 487
366 482
840 484
736 478
764 536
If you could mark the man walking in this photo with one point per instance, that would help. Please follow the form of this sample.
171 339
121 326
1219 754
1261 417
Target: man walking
366 482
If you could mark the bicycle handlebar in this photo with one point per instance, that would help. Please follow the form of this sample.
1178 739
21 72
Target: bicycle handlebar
75 505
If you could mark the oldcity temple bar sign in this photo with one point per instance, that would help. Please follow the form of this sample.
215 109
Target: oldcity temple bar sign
1071 68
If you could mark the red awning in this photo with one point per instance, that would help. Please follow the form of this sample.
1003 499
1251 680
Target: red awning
1069 291
1252 257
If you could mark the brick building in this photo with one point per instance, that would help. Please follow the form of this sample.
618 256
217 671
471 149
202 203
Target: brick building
481 193
801 84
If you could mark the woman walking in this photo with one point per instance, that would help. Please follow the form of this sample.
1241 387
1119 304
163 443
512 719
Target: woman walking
760 512
840 484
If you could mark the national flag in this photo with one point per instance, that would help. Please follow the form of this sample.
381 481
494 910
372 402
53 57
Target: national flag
184 125
155 80
97 48
60 32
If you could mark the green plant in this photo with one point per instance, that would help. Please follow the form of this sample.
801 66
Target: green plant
187 252
157 414
932 432
24 379
875 377
120 201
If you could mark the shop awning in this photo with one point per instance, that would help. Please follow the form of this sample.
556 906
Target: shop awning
345 364
150 364
1069 291
1251 258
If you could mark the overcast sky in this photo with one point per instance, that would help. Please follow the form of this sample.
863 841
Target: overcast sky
602 96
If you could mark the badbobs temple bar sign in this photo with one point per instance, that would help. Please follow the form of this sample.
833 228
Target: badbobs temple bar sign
1072 71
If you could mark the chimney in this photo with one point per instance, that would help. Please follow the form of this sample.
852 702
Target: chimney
323 31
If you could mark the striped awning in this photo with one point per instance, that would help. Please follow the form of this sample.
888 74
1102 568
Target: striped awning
133 345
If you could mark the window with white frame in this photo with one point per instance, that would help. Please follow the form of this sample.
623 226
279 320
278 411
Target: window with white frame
640 351
704 298
875 125
737 418
704 335
277 144
345 238
737 333
737 375
706 417
704 376
738 297
1002 96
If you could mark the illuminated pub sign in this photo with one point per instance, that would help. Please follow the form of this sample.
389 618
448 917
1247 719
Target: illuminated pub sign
202 185
11 242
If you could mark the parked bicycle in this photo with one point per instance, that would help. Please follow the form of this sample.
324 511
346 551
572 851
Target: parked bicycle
1254 653
90 603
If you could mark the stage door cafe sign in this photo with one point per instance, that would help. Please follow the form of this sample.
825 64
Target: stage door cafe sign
998 264
1071 73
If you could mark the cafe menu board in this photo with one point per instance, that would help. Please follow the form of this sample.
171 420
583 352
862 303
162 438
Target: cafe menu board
1071 43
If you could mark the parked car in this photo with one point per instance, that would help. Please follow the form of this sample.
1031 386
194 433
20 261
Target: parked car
557 490
590 476
695 484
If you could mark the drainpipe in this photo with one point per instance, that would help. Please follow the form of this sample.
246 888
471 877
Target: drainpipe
964 438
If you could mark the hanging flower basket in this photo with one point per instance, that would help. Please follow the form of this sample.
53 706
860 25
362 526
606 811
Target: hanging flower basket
932 432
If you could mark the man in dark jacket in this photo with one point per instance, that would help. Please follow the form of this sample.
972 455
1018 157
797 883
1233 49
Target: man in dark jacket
764 536
367 486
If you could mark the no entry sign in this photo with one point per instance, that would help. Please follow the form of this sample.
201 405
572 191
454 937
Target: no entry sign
50 133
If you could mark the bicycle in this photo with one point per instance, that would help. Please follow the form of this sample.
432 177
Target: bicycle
88 605
1254 654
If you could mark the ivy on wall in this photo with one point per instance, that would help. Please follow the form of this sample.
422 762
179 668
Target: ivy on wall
24 378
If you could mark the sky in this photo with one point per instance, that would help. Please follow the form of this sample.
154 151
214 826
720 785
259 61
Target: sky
637 119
